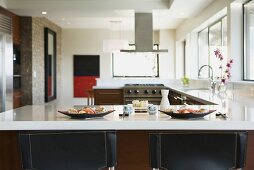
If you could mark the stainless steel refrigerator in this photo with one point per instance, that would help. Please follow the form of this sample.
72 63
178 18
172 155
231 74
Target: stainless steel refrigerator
6 64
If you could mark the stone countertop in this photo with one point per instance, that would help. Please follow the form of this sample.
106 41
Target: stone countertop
46 117
223 99
238 108
107 87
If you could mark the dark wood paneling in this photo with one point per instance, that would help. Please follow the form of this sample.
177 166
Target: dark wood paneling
15 24
16 29
9 152
250 151
17 99
132 150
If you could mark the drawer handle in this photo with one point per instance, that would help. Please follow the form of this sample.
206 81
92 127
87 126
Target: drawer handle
178 98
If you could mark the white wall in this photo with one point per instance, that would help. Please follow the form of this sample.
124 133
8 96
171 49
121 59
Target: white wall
167 60
2 3
191 24
87 41
80 41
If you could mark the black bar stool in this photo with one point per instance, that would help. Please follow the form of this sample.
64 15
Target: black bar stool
83 150
198 150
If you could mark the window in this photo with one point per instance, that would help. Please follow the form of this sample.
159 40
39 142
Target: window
135 64
211 38
249 41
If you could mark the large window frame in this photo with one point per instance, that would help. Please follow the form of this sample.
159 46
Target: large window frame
245 39
129 76
208 42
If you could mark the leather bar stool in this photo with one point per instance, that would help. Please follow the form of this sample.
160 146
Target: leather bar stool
83 150
198 150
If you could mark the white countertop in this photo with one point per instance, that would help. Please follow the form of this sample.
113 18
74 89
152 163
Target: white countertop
239 109
107 87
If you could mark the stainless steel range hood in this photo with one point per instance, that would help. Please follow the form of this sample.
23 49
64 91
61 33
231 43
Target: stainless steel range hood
144 34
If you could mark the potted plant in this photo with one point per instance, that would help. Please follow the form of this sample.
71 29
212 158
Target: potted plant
185 81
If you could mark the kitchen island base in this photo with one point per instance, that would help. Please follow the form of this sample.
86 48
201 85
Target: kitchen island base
132 150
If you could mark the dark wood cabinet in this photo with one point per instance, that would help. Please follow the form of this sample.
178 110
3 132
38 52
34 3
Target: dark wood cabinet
176 98
191 101
16 29
108 96
15 25
17 101
9 149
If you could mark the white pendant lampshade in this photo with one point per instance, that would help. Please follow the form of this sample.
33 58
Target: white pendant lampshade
115 43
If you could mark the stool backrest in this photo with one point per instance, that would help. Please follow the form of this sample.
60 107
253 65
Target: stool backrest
68 150
198 150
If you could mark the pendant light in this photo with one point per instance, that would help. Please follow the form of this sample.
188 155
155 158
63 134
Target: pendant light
115 43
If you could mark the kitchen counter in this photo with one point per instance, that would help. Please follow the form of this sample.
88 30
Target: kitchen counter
133 131
239 109
46 117
208 96
107 87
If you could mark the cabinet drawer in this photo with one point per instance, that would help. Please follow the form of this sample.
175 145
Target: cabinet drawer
108 96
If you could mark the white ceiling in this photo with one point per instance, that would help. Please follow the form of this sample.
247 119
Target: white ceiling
97 14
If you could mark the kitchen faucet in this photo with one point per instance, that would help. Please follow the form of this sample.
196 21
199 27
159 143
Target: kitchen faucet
212 82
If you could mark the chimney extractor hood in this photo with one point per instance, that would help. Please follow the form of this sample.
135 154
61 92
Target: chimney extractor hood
144 34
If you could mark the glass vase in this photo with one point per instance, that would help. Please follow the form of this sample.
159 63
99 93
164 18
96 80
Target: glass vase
221 87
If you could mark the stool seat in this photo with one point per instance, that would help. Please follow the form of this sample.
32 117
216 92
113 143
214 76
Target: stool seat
198 150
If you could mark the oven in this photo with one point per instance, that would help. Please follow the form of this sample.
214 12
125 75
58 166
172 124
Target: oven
150 92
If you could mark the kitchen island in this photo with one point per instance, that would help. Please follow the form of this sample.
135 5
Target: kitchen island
47 117
131 131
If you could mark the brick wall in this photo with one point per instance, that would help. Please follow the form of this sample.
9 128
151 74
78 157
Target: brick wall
26 59
38 25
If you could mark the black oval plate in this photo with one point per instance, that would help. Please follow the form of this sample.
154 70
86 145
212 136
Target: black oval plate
85 115
187 115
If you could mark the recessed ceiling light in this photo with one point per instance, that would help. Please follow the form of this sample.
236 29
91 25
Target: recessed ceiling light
44 12
68 23
63 19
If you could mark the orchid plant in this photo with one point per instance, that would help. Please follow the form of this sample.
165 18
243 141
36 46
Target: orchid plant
225 72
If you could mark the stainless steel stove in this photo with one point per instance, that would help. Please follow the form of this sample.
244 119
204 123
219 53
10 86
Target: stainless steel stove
150 92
